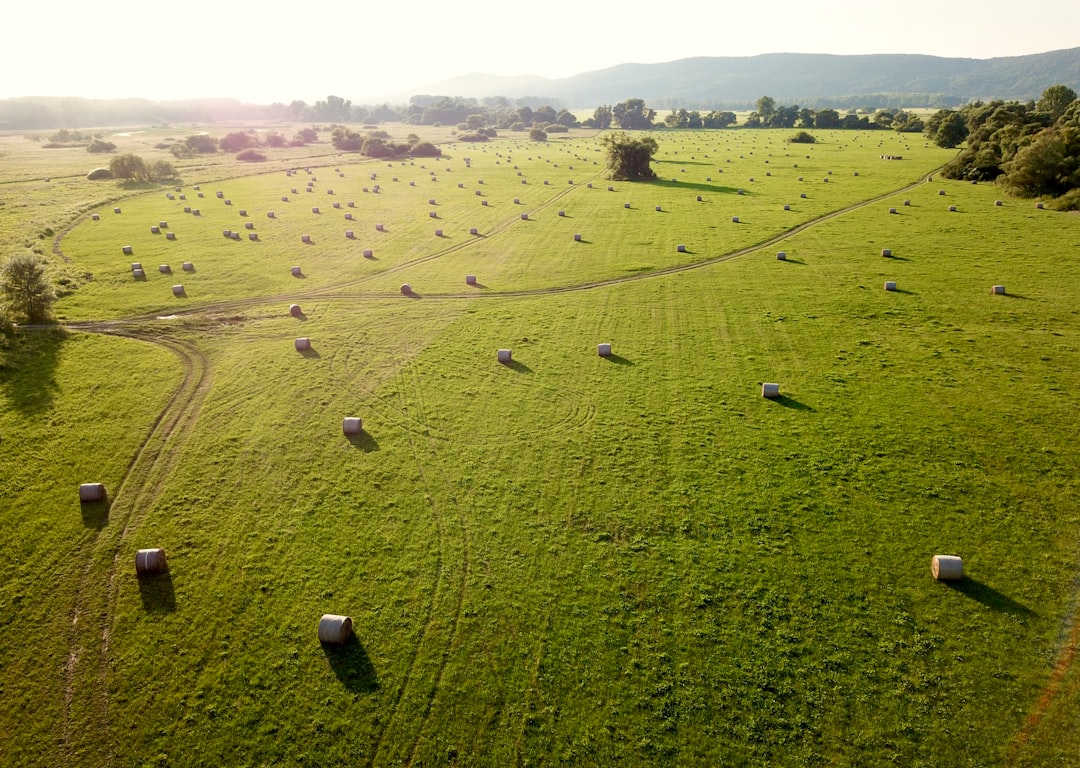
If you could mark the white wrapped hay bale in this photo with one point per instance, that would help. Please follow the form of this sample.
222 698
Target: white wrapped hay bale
504 355
770 390
164 269
577 237
406 289
886 252
781 255
890 285
998 290
92 492
335 629
470 279
295 311
352 425
947 567
178 290
302 344
680 248
127 250
149 561
603 350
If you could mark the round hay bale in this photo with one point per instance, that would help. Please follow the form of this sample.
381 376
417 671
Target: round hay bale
187 266
302 344
802 195
680 248
470 279
154 230
406 289
483 202
368 254
474 231
952 209
562 213
243 212
284 198
337 205
886 251
603 350
577 238
116 210
1037 205
781 255
148 561
438 233
432 215
348 217
95 217
787 207
379 228
659 208
138 274
253 236
296 271
295 311
907 202
998 290
136 265
504 355
249 225
352 425
890 285
997 202
127 250
734 219
92 492
170 235
226 233
770 390
351 204
335 629
947 567
892 210
270 214
228 202
178 290
349 234
941 192
315 209
164 269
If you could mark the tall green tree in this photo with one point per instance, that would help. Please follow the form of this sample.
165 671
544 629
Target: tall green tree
1055 100
629 157
25 288
633 115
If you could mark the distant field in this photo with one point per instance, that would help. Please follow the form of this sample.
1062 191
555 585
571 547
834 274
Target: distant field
568 559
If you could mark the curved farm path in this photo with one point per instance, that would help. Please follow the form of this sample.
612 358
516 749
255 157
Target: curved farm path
439 635
86 683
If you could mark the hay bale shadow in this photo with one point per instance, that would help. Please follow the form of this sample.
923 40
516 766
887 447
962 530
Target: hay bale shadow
352 665
157 592
365 441
792 403
618 359
515 365
310 352
990 597
95 514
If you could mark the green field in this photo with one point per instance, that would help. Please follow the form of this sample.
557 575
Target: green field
569 559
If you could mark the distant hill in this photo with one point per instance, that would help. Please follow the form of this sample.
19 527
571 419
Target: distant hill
790 78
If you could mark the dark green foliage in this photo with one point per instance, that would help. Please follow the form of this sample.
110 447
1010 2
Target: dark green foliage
251 156
633 115
477 136
346 140
98 145
946 128
275 139
234 142
306 136
1055 100
25 289
425 149
538 134
202 143
628 157
131 167
802 137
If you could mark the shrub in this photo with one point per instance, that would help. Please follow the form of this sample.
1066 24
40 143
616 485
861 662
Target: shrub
802 137
275 139
234 142
538 134
251 156
1070 201
202 143
557 128
97 145
426 149
25 288
473 137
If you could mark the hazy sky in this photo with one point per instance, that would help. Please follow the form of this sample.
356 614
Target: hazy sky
361 50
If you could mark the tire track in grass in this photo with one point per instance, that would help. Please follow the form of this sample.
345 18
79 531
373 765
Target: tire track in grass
447 589
1063 664
91 615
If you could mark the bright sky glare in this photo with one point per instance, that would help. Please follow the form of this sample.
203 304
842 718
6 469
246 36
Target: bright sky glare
266 52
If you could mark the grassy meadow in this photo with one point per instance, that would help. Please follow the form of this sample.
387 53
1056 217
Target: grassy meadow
568 559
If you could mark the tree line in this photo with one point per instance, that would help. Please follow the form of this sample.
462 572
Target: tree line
1032 148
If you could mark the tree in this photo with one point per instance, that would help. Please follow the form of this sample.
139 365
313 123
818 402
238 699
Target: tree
1055 100
235 142
628 157
827 118
27 293
766 107
802 137
131 167
1041 167
602 117
538 134
946 128
633 115
202 143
